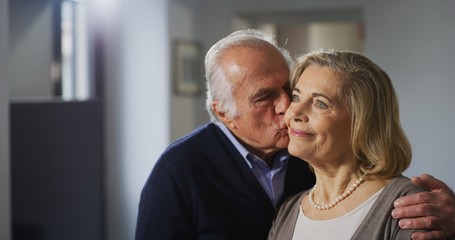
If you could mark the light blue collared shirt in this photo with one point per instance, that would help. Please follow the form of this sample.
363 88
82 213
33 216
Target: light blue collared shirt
271 179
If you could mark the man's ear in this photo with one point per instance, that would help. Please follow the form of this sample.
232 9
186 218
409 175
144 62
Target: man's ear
221 115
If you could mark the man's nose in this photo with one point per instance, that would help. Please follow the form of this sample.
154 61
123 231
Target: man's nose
283 103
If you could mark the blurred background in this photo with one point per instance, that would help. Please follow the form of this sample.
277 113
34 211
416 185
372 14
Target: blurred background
92 91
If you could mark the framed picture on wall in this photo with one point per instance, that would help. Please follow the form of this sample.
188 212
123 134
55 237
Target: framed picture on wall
187 67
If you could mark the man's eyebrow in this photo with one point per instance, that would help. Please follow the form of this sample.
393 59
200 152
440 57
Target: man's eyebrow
261 92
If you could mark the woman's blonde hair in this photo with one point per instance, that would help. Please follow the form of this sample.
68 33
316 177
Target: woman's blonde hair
377 139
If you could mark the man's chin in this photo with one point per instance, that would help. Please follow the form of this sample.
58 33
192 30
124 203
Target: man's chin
283 142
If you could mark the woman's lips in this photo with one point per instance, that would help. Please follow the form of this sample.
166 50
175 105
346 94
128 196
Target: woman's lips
299 133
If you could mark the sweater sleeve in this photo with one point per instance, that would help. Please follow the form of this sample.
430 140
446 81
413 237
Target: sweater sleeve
164 209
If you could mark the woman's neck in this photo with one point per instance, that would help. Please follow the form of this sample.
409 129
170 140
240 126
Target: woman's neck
329 188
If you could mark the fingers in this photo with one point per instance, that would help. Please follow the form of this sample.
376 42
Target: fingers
430 183
440 205
417 198
433 210
421 210
438 218
432 223
431 235
424 223
437 198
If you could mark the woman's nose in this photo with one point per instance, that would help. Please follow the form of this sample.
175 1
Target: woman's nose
298 112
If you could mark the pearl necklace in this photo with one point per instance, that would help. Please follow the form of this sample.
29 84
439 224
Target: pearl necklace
337 200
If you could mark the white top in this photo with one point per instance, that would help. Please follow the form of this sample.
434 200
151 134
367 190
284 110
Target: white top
342 227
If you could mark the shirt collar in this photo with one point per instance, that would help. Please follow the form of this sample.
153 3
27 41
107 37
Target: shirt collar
282 155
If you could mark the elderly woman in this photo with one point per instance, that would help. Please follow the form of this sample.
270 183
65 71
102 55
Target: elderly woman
343 120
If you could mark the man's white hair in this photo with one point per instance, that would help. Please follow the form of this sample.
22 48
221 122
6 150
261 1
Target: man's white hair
218 85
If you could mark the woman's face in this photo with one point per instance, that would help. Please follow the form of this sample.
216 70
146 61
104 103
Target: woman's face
318 124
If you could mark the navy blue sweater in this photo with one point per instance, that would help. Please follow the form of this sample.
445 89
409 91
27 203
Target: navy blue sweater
202 188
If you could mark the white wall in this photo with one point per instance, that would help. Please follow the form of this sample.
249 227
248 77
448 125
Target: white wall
415 42
5 213
294 38
137 105
186 111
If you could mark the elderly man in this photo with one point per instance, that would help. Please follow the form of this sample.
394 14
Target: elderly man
226 179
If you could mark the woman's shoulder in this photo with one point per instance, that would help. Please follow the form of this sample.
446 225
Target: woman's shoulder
402 186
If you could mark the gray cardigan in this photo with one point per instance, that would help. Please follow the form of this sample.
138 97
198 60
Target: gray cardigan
378 223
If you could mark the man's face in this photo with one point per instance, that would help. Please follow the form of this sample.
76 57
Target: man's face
260 80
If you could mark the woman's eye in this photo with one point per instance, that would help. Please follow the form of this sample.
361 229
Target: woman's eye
321 105
294 98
